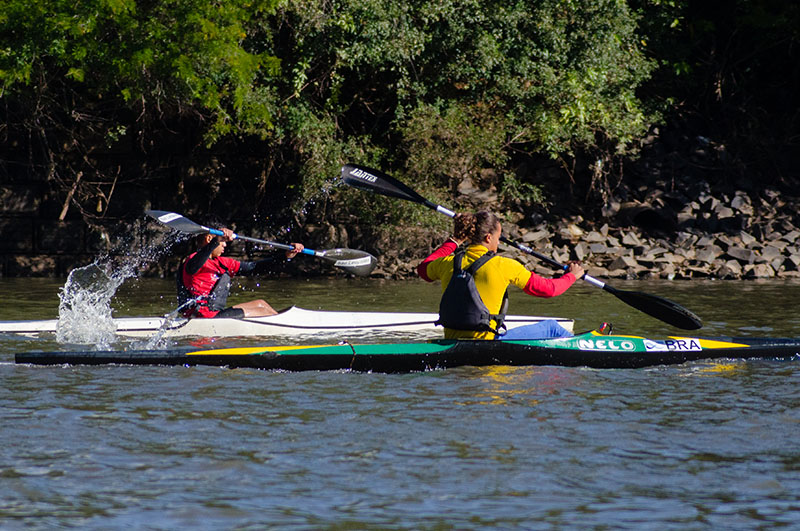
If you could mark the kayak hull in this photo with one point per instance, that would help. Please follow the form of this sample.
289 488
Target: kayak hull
291 322
591 349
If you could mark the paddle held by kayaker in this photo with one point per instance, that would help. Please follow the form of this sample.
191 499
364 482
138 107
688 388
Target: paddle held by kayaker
474 299
205 276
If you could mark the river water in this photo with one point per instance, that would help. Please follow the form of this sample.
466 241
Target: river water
696 446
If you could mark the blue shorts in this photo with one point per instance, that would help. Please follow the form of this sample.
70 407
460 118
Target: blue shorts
542 330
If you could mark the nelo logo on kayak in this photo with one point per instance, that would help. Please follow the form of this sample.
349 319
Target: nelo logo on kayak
606 344
361 174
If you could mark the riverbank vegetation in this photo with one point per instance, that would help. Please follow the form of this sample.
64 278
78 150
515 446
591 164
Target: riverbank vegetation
247 109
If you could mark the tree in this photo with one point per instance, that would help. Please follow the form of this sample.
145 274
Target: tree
79 79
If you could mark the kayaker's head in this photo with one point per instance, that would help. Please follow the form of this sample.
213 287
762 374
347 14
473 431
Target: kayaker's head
480 228
205 239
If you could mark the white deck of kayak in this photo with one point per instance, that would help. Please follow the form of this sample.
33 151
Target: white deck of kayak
292 321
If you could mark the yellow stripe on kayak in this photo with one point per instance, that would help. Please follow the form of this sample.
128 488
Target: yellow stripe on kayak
710 343
241 351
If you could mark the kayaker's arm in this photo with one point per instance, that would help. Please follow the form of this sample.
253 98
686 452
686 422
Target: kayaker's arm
264 266
462 228
446 249
194 264
257 268
548 287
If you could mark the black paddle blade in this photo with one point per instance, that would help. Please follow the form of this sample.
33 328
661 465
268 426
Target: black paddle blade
376 181
359 263
658 307
177 222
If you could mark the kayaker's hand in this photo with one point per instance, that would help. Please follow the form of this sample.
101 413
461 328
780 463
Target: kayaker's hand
298 248
228 235
576 269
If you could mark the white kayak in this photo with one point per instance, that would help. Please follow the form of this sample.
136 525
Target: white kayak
292 321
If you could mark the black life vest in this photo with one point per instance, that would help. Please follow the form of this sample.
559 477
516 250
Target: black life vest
216 300
461 307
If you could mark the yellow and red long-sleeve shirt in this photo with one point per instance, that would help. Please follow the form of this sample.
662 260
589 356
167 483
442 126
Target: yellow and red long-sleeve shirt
491 280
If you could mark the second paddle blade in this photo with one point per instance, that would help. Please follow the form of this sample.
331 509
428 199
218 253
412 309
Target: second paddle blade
658 307
359 263
376 181
177 222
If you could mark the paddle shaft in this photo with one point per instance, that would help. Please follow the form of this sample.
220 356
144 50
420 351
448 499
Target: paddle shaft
555 263
277 245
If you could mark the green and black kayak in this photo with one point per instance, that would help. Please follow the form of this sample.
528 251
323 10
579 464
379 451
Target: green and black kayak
590 349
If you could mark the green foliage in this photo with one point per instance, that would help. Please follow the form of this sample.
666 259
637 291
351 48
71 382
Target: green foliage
189 54
515 190
433 91
457 141
447 88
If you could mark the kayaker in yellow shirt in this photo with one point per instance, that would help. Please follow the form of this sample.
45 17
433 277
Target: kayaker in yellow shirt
464 319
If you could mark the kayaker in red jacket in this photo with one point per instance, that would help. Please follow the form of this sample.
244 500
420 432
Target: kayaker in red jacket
483 231
205 277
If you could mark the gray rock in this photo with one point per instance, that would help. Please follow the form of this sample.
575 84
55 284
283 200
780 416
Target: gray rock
777 263
623 262
536 236
759 271
686 240
598 248
630 239
730 270
778 244
561 256
708 254
746 256
791 236
594 237
723 212
581 250
741 203
769 253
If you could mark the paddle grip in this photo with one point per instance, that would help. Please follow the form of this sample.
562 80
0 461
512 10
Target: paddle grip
440 208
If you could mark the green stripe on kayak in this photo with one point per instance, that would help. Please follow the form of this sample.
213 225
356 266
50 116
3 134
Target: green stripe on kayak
361 349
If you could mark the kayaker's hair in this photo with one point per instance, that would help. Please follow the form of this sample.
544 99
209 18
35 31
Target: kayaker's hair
212 222
476 226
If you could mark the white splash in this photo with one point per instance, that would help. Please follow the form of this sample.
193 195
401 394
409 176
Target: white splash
85 315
